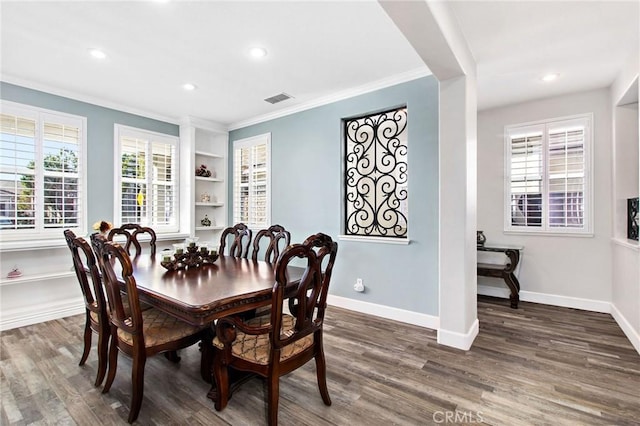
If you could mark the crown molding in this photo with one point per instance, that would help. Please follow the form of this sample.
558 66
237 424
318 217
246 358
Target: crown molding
338 96
86 98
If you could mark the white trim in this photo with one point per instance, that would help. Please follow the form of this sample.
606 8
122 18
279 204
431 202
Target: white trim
382 311
380 240
627 328
544 126
42 116
345 94
625 243
37 277
81 97
120 131
239 144
549 299
459 340
20 317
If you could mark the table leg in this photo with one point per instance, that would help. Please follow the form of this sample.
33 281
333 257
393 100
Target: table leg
514 286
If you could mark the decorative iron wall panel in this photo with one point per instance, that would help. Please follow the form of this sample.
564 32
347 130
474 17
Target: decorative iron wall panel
376 196
632 218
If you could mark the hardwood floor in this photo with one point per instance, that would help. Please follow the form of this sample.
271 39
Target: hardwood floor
537 365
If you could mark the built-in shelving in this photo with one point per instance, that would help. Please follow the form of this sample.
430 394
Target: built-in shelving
208 145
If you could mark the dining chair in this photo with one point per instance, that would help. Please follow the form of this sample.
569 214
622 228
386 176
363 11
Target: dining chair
241 235
277 236
132 233
276 344
135 332
94 302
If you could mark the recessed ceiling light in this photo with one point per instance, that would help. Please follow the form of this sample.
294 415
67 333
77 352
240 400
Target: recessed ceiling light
550 77
97 53
258 52
189 86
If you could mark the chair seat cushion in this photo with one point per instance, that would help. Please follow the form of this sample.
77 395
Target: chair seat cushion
256 348
159 328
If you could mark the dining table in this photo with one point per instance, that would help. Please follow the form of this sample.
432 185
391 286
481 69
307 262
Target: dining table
202 294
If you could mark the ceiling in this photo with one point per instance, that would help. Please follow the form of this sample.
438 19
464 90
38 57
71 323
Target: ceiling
317 51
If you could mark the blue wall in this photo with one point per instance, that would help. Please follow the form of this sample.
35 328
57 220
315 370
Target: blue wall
306 188
100 127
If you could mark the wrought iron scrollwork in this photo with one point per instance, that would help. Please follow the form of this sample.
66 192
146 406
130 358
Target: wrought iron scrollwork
376 174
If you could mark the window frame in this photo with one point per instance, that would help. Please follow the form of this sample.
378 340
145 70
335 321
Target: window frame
121 131
250 142
546 125
404 204
41 236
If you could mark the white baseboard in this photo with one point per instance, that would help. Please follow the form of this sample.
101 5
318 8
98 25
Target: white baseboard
459 340
549 299
20 317
627 328
388 312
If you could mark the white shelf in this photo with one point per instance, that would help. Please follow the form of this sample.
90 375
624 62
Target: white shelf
208 154
209 228
209 179
37 277
210 204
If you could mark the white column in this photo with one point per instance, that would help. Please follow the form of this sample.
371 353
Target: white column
432 30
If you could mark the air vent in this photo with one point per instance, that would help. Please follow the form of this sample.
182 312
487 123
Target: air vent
278 98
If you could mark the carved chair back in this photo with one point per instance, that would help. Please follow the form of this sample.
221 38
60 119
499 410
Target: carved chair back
279 239
109 253
132 233
241 236
94 300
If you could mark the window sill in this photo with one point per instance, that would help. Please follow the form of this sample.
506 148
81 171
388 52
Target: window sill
23 245
623 242
551 234
380 240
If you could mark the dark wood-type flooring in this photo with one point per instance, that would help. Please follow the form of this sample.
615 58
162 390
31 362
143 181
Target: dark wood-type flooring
537 365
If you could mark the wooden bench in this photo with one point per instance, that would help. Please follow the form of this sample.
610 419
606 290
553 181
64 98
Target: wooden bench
504 271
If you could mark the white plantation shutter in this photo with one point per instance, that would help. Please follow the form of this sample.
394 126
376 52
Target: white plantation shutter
148 179
41 172
526 176
251 186
567 174
547 185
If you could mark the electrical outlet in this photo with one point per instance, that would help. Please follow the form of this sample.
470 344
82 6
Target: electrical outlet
359 286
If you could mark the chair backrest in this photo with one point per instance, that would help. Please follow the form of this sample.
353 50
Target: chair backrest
241 235
110 253
132 232
277 236
310 297
93 296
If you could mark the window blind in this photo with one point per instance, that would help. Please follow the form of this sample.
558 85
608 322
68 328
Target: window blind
41 181
548 175
251 198
148 179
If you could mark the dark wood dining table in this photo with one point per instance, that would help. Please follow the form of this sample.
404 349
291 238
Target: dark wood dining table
203 294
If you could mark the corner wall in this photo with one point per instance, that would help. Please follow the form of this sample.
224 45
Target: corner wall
559 270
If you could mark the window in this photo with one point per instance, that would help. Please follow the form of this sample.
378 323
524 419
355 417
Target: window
548 184
251 181
376 203
42 178
147 185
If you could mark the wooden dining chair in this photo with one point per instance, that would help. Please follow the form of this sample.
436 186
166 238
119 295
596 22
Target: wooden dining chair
132 233
279 239
94 302
135 332
274 345
241 236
